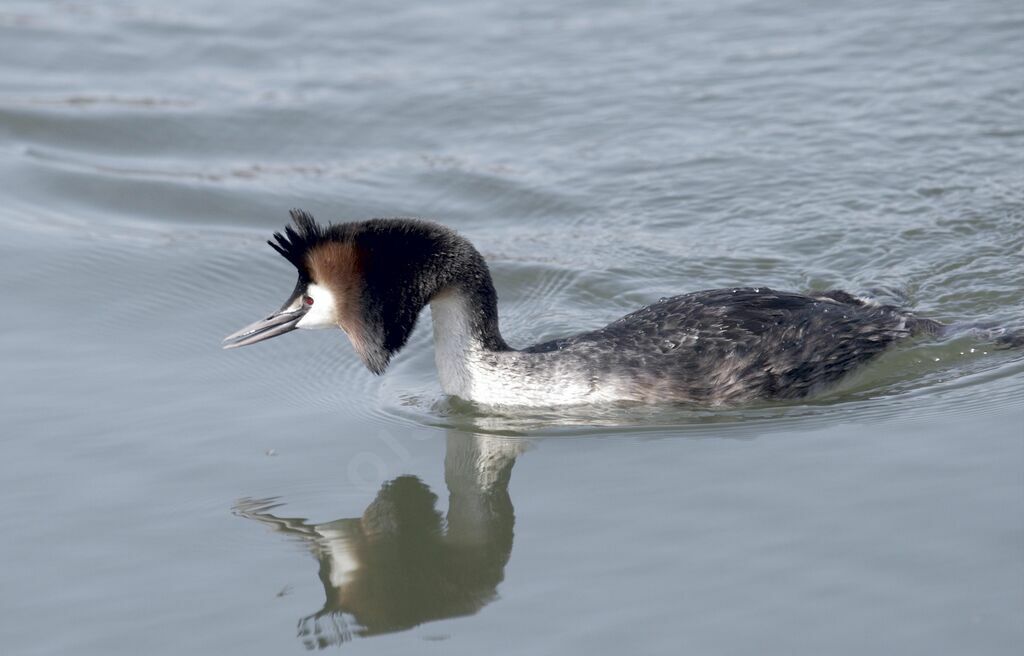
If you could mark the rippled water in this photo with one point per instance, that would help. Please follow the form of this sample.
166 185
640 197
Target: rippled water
163 496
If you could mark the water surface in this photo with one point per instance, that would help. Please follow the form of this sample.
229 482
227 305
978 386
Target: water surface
165 497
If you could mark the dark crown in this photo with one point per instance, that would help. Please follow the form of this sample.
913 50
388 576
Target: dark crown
296 242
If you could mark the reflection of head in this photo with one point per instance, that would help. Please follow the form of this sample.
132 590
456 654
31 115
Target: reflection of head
400 564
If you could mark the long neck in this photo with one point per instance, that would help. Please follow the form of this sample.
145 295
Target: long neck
461 340
462 299
467 305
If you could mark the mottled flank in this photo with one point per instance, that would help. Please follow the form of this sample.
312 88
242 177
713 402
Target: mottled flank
735 345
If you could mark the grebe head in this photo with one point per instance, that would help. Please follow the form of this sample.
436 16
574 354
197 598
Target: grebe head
369 278
312 304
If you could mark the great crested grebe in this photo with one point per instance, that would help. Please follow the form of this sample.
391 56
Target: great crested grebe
721 346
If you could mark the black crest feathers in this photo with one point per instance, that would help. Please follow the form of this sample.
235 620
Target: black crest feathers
295 243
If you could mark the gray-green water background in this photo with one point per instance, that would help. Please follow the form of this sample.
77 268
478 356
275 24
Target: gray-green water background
600 155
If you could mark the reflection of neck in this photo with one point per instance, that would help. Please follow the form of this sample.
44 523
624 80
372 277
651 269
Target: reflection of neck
477 470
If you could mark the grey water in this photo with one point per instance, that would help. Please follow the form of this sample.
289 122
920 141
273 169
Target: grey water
161 496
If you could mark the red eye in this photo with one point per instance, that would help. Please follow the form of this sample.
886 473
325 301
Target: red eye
308 300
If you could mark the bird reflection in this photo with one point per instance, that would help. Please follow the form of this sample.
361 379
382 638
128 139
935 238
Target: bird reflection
401 563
